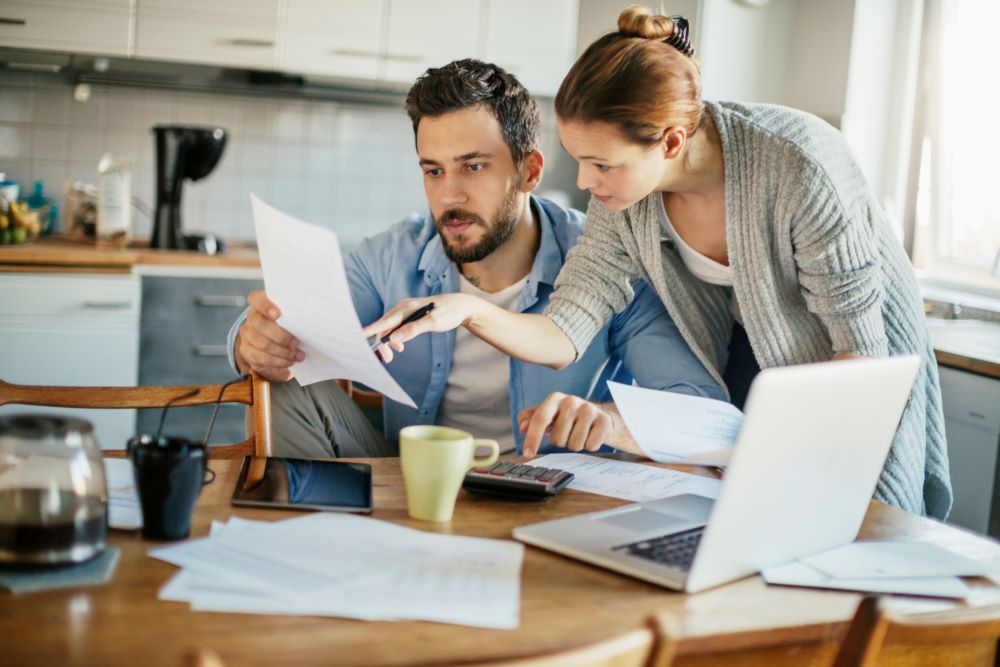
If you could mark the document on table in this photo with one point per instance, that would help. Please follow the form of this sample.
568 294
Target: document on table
347 566
629 481
124 511
897 558
304 275
677 428
799 574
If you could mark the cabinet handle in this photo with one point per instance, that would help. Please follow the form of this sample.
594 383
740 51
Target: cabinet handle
4 20
249 41
210 351
221 300
108 305
354 52
404 57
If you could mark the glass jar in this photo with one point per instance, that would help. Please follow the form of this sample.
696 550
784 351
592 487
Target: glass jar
53 494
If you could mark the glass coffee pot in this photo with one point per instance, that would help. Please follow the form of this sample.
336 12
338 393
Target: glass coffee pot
53 494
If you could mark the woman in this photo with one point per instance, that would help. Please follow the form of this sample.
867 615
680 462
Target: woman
752 222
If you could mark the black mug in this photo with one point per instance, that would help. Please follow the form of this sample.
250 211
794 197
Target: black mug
169 474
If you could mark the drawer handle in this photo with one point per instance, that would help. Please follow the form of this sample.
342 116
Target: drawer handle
358 53
4 20
210 351
249 41
221 300
404 57
108 305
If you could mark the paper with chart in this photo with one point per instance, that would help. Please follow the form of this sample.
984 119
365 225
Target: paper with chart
347 566
677 428
304 275
629 481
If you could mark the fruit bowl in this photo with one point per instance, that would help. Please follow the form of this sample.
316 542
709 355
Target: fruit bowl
18 224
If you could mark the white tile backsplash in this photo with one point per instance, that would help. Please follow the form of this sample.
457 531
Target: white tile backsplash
347 166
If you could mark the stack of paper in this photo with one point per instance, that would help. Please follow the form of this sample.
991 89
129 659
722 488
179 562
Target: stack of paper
910 568
123 500
348 566
629 481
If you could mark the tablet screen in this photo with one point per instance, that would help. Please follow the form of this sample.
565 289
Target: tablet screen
304 484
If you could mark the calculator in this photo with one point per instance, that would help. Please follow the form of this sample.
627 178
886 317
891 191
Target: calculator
517 481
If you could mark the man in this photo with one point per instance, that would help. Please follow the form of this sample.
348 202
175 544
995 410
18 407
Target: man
476 132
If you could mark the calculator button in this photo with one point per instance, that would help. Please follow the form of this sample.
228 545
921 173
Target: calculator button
534 473
501 468
519 470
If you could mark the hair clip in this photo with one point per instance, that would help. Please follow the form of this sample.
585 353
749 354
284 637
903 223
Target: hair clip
679 40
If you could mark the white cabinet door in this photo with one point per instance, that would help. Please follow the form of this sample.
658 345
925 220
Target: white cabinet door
430 33
972 426
72 329
534 41
79 26
236 33
335 38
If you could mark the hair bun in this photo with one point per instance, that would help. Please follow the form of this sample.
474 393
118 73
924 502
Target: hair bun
640 21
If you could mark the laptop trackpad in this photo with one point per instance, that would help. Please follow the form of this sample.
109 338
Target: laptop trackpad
642 520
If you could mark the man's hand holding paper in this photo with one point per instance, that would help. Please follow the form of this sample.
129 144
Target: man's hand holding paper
306 322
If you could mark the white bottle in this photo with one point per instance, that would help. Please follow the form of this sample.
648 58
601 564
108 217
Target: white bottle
114 198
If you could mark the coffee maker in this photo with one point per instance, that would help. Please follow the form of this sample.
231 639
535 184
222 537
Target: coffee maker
182 152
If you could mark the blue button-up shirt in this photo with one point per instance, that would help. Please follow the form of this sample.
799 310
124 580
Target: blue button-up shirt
641 342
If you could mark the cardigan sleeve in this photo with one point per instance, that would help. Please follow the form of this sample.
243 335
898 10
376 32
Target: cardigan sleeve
837 256
595 281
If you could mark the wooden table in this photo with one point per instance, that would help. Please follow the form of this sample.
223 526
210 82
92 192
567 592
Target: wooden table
565 603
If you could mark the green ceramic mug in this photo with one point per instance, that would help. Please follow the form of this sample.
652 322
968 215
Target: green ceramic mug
435 460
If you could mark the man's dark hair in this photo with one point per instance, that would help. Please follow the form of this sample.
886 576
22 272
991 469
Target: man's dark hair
468 83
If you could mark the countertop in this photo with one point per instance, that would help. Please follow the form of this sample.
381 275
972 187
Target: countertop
970 345
64 254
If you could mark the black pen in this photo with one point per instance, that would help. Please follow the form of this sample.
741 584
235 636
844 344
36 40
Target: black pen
412 317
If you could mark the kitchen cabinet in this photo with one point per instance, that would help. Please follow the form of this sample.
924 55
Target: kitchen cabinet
336 38
185 319
972 426
72 329
534 41
428 34
235 33
79 26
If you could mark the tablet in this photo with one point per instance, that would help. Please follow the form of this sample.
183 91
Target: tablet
302 484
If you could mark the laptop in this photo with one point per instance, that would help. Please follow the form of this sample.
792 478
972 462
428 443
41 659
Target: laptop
803 470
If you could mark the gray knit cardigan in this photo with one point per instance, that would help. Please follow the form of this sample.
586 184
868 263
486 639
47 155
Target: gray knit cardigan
816 270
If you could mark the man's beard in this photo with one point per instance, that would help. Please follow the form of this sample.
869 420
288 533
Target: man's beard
497 231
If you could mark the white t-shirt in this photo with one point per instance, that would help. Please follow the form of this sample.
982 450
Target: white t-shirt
477 398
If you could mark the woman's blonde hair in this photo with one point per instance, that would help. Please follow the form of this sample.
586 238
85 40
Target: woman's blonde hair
642 79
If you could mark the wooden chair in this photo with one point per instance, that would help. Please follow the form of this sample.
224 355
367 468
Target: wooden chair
252 390
631 649
364 398
963 636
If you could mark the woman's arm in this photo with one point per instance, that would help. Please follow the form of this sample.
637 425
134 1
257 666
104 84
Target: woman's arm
532 338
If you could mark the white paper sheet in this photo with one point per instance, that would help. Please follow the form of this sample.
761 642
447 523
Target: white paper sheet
800 574
124 511
677 428
629 481
889 559
304 275
348 566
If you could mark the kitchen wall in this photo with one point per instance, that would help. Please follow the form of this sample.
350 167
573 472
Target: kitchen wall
351 167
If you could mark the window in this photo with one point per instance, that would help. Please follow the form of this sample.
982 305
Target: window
956 199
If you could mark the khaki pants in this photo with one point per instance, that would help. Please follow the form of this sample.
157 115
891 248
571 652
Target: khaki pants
321 421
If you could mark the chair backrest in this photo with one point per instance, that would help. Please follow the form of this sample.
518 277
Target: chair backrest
364 398
631 649
962 636
252 390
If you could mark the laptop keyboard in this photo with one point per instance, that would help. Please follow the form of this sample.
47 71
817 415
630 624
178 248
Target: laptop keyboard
675 550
